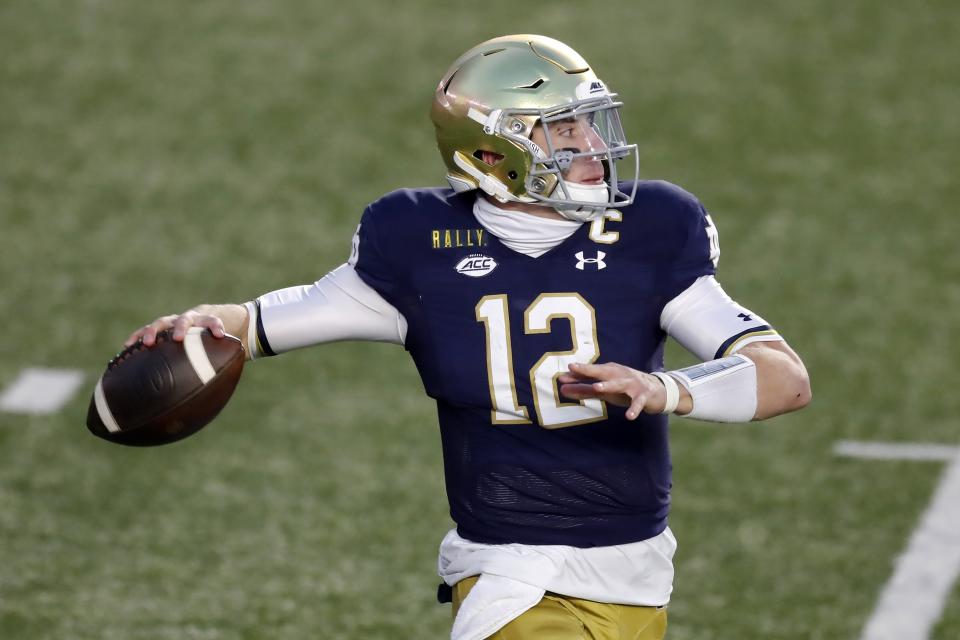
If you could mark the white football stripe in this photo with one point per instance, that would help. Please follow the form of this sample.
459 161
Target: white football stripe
106 416
197 354
40 391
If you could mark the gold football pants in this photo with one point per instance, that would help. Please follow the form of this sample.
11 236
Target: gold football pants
558 617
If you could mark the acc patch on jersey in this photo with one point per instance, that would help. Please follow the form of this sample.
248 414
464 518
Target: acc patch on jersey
476 265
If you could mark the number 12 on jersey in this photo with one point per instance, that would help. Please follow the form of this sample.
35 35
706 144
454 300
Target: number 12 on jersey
552 412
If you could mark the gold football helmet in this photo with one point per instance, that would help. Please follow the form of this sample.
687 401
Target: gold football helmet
493 97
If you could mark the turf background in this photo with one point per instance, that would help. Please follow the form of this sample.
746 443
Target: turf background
156 155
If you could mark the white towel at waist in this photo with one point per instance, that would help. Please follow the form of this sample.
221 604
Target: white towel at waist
515 576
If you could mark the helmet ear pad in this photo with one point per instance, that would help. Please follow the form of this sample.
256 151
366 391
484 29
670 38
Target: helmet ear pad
511 168
490 158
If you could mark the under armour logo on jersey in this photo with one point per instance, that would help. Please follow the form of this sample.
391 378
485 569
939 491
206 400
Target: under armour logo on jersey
746 317
597 261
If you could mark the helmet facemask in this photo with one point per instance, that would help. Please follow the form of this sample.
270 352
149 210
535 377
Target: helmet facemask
583 132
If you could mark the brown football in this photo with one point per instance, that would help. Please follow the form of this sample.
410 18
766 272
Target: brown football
155 395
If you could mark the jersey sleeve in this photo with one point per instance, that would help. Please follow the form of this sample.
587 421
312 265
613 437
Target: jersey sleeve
699 248
369 260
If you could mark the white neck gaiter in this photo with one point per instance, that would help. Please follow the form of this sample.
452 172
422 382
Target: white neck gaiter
523 232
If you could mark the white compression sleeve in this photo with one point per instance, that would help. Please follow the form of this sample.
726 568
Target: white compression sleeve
723 390
339 306
709 324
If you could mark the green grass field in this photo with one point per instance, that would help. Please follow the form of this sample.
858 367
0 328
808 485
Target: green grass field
158 155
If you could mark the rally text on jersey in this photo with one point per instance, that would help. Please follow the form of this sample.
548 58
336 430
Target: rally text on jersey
452 238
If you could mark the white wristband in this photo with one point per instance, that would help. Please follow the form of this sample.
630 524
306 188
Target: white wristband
673 391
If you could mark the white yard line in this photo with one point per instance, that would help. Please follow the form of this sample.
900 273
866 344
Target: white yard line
913 599
40 391
895 450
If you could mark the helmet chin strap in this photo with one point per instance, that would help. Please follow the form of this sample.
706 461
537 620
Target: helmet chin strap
598 193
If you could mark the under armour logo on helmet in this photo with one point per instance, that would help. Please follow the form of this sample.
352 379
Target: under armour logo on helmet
597 261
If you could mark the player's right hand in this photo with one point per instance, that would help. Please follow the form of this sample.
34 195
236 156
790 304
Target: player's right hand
614 383
179 324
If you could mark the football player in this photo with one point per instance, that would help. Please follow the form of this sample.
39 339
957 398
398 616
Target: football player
535 296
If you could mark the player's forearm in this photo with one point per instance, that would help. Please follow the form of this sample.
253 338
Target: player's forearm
782 381
761 380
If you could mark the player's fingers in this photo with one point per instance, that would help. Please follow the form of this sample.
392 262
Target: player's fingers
570 377
617 385
578 391
597 371
182 323
213 323
636 406
133 337
149 333
582 391
575 369
582 369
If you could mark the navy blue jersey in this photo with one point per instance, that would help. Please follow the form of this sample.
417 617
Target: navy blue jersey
490 329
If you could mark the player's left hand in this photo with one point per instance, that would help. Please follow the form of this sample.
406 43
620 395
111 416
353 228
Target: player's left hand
616 384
